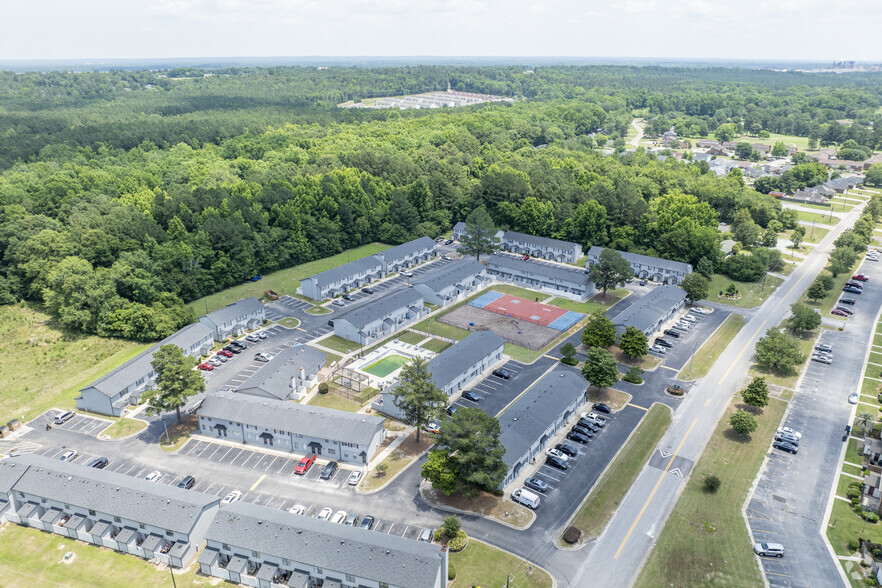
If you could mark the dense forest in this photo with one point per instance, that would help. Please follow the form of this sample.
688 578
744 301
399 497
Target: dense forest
126 194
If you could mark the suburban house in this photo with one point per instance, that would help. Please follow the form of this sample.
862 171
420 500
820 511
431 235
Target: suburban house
719 150
125 513
408 254
340 280
452 282
113 391
382 317
541 247
458 230
456 367
871 496
289 375
707 143
646 267
811 196
526 426
234 319
553 278
260 546
669 137
842 184
652 311
762 148
288 426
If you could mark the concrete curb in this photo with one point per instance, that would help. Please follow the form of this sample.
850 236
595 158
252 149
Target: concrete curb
470 513
100 437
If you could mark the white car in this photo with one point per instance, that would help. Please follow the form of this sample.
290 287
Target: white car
598 417
339 517
231 497
215 362
558 454
853 398
354 478
689 318
407 274
153 476
264 357
822 358
261 334
297 509
338 302
325 514
790 431
69 455
700 310
657 349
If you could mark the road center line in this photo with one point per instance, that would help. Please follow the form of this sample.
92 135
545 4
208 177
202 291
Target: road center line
657 484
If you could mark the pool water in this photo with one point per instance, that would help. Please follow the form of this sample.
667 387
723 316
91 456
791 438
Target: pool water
386 366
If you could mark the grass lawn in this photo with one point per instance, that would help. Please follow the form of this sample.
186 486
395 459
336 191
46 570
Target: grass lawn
712 348
431 325
705 542
179 433
851 452
123 428
801 142
290 322
606 496
835 206
484 503
401 457
436 345
338 343
318 310
519 292
752 294
845 525
44 366
786 269
480 564
826 303
824 219
596 305
812 234
410 337
284 281
331 400
806 342
29 557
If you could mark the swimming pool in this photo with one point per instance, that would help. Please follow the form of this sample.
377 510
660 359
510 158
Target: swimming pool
386 366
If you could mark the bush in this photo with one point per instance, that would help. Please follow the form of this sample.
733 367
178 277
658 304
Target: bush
853 545
853 493
712 483
451 526
323 388
569 360
451 572
572 535
459 542
633 375
871 517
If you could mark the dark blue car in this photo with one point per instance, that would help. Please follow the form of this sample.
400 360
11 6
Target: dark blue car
255 278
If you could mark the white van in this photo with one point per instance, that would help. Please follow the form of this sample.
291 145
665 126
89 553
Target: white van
527 498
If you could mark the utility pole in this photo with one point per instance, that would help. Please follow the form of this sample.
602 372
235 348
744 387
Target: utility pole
172 576
507 580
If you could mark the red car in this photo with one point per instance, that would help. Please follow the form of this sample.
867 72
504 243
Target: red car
305 462
225 353
861 277
205 367
838 312
525 258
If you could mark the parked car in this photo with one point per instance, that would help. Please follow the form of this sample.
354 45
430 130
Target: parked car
772 549
236 343
851 290
527 498
688 318
845 310
657 349
325 514
679 327
252 337
847 301
502 373
664 343
556 462
426 536
64 417
338 303
329 470
368 290
582 430
700 310
861 277
261 334
578 437
348 297
213 361
69 455
153 476
297 509
822 358
221 358
98 463
351 520
551 452
407 273
469 395
264 357
187 483
206 367
672 333
451 409
598 418
331 323
854 284
785 446
304 464
367 523
536 484
567 449
339 517
853 398
838 312
643 282
525 257
231 497
233 350
225 352
445 257
256 278
823 347
354 478
787 437
790 431
601 407
588 425
432 427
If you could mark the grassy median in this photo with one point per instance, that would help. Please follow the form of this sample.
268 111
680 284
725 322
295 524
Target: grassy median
609 491
752 293
705 541
712 348
480 564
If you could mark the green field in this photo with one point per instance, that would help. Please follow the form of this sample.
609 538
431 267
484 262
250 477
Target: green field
705 541
824 219
430 325
800 142
596 305
44 366
124 428
480 564
519 292
752 294
606 495
284 281
331 400
825 305
712 348
410 337
436 345
338 343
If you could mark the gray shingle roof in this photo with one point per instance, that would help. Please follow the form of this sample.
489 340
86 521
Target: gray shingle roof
409 248
128 497
378 556
345 271
460 226
275 376
450 363
636 258
453 274
380 308
538 241
10 472
314 421
643 313
553 271
531 414
233 311
129 372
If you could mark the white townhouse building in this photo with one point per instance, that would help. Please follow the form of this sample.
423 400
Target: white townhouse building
340 280
541 247
286 426
149 520
453 282
645 267
234 319
381 317
289 375
553 278
408 254
652 311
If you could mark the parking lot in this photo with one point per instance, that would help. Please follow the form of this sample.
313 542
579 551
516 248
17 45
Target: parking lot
689 341
496 393
87 425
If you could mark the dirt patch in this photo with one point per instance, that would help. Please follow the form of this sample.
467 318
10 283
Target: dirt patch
401 457
518 332
485 504
615 399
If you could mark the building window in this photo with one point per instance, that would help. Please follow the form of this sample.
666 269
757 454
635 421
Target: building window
116 520
286 562
350 578
66 507
170 533
318 570
225 547
255 554
91 512
43 500
141 525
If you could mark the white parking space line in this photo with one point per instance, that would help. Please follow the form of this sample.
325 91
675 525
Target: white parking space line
392 526
221 459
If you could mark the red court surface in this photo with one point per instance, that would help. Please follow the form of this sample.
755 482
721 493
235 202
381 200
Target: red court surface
527 310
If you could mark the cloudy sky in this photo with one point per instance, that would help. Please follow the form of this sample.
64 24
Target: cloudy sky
747 29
